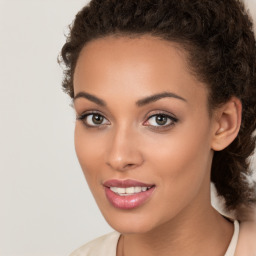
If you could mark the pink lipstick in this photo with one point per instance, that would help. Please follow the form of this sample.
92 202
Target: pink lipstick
127 194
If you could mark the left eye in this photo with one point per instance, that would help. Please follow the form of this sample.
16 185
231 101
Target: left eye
161 120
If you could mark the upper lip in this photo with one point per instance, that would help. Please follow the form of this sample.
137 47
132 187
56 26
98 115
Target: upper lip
126 183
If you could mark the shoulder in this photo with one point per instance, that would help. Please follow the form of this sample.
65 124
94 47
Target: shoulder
101 246
246 245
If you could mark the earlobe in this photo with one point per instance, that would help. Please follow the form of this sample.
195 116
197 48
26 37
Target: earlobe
227 124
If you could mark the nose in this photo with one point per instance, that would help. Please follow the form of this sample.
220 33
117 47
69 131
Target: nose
123 152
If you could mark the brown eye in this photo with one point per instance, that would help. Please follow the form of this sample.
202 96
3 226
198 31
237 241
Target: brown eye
97 119
93 120
161 119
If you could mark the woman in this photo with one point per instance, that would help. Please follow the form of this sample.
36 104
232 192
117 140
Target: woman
165 98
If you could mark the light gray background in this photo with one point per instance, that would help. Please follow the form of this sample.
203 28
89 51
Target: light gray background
46 208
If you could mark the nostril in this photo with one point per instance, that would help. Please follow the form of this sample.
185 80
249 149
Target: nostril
129 166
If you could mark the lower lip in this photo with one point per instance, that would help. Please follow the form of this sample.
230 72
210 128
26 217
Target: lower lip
128 202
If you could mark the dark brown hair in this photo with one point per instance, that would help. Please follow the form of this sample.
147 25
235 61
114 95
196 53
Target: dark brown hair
218 39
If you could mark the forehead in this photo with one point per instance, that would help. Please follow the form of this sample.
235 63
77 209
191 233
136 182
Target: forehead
135 66
144 51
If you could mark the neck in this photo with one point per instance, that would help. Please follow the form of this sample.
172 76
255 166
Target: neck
196 230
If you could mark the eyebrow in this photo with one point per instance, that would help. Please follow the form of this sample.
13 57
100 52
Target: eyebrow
158 96
139 103
90 97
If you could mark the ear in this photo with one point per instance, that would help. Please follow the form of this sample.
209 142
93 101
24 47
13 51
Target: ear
227 121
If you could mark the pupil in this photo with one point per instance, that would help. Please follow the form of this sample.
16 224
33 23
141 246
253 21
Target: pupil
161 120
97 119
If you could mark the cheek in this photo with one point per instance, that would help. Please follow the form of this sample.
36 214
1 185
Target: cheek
182 160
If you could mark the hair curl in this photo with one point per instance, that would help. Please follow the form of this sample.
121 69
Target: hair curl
218 39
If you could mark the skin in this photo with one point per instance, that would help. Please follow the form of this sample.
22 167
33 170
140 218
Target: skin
178 219
246 243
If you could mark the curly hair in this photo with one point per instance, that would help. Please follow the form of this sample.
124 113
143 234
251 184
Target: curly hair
218 39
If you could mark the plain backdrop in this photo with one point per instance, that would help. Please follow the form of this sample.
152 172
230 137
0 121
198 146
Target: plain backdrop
46 208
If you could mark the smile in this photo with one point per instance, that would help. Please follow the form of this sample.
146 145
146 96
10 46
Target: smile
128 191
128 194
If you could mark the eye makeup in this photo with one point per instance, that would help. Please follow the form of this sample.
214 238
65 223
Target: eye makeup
159 120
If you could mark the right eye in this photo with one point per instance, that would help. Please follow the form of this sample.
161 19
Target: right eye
93 119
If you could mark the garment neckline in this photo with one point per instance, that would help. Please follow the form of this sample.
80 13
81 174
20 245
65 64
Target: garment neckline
233 243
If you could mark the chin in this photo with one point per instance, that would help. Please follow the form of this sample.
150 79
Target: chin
128 227
131 222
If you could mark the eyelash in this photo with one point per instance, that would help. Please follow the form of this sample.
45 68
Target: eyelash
85 115
173 120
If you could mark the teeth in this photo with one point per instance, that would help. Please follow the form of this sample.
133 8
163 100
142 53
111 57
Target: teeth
128 191
114 189
120 190
137 189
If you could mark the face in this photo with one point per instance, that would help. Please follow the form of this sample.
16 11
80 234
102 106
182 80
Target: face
143 131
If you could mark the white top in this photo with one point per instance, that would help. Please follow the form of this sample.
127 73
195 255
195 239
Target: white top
106 245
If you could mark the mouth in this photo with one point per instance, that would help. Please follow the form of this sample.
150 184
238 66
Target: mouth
129 191
128 194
